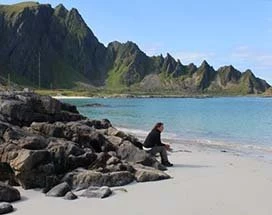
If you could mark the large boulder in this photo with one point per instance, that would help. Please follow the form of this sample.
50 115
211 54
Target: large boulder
97 192
144 173
32 167
70 196
59 190
7 174
5 208
8 193
67 155
23 108
130 153
82 179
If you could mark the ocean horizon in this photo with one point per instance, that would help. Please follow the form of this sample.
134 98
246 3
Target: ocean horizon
237 124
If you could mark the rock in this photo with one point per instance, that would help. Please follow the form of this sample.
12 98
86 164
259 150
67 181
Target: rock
37 177
144 173
49 129
7 174
82 179
5 208
97 192
114 132
100 143
23 108
70 196
29 159
67 155
8 193
119 167
97 124
3 127
100 162
127 151
130 153
116 141
59 190
94 105
32 167
33 142
113 160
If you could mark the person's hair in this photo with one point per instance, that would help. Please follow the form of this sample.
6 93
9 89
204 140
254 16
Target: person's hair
157 125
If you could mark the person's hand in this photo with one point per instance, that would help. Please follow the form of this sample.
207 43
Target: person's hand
168 148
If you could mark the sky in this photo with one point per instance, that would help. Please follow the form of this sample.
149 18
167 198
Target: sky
223 32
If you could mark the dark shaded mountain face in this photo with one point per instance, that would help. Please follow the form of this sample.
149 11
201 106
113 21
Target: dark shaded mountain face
69 51
57 44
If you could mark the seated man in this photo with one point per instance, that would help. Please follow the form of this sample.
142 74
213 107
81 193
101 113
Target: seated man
153 144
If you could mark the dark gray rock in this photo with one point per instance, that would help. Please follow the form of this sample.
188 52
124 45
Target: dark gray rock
70 196
59 190
7 174
116 141
144 173
23 108
130 153
5 208
100 143
82 179
113 160
97 192
8 193
32 167
33 142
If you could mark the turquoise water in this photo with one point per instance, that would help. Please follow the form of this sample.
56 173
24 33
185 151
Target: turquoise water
234 121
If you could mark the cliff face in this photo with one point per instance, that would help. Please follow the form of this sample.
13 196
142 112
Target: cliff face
69 51
59 42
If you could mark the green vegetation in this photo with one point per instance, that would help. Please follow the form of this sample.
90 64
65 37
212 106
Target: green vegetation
115 77
65 77
11 10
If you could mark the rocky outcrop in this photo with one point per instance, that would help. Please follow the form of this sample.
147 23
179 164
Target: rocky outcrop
61 154
24 108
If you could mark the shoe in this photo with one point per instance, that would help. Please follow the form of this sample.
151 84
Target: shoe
167 164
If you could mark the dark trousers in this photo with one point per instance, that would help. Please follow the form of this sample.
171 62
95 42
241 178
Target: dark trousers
161 150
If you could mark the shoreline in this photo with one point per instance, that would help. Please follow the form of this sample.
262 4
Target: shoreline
248 150
160 96
203 182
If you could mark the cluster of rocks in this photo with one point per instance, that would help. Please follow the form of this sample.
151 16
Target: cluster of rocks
44 143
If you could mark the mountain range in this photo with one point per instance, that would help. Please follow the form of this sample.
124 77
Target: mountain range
42 46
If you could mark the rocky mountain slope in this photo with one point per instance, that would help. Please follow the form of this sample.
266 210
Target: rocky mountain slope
55 47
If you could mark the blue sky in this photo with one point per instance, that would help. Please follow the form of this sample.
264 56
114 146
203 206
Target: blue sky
221 32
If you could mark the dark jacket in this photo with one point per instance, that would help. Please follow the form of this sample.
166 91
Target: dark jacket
153 139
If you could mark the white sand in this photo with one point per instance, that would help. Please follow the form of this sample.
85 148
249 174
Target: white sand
203 183
71 97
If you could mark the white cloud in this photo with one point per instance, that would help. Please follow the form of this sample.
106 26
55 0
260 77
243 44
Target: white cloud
258 57
193 57
152 49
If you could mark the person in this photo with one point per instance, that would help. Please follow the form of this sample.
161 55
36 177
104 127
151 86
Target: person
153 144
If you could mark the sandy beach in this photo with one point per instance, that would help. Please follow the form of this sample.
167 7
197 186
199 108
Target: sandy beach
71 97
203 182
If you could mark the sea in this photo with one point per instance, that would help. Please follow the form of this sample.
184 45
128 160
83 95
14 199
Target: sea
241 125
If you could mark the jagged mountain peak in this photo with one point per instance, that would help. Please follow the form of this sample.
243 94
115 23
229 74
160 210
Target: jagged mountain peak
248 72
60 10
205 64
71 53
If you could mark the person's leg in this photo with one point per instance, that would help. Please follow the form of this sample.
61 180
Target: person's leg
162 151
